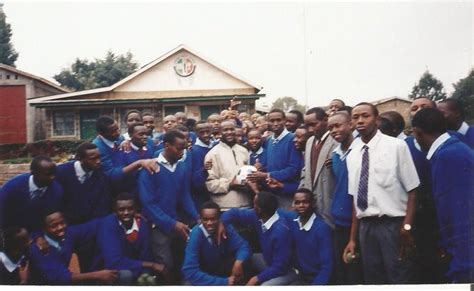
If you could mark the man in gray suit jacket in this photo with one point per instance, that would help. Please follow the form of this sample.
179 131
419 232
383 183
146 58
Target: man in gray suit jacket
317 175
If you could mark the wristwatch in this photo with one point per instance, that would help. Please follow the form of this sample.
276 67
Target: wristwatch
407 226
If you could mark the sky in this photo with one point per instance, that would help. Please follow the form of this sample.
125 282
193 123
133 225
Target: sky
312 51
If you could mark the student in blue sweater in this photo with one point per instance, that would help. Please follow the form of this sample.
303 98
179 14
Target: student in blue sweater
209 262
312 239
14 248
274 264
452 169
124 239
24 197
51 268
131 117
108 141
199 168
284 162
256 150
453 111
161 194
340 128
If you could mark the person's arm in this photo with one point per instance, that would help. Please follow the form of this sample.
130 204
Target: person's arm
293 168
191 269
50 266
186 201
352 243
215 183
109 162
199 172
325 254
241 216
241 249
103 276
148 197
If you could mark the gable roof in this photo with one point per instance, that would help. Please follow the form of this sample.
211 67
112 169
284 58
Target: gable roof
31 76
144 69
385 100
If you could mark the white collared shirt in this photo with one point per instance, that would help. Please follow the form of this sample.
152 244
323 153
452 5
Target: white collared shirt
109 143
402 136
132 229
392 174
342 155
308 223
281 136
52 242
80 173
206 234
134 147
33 187
436 144
463 128
126 136
8 264
164 162
202 144
258 152
268 224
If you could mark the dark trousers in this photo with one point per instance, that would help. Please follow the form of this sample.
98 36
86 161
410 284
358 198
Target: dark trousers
380 249
168 249
345 274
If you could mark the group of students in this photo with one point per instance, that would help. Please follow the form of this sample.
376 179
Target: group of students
336 196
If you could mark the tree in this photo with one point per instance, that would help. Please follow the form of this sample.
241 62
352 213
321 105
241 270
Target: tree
288 103
85 74
464 92
428 86
8 55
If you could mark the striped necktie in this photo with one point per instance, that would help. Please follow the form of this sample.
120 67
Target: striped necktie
362 200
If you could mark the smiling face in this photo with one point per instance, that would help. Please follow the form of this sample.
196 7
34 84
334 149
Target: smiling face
169 122
291 122
210 220
334 106
113 132
365 120
139 136
149 123
125 211
301 136
254 140
228 132
55 225
339 126
419 104
203 131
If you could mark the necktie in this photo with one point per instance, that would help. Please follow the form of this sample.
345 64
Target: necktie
86 177
37 193
116 147
317 145
362 201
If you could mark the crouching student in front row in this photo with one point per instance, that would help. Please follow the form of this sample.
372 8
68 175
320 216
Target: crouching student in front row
208 263
124 239
51 268
14 247
274 264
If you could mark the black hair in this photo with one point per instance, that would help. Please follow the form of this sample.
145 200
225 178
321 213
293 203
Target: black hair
147 114
267 202
171 136
455 105
430 121
210 205
253 129
47 212
386 126
320 113
181 128
130 112
396 119
9 237
131 128
277 110
102 124
83 148
375 111
345 108
342 102
190 123
35 165
124 196
342 113
305 191
299 115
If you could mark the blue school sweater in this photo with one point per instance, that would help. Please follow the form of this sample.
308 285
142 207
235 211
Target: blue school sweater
198 175
262 157
18 209
284 162
341 208
276 243
203 260
160 193
83 202
467 139
129 182
110 159
313 248
52 268
118 252
452 169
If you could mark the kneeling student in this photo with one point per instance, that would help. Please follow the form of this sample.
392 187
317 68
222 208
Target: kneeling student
124 239
208 263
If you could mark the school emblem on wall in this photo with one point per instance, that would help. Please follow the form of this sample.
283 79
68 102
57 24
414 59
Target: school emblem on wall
184 66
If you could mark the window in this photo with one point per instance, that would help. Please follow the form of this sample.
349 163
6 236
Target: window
63 123
171 110
8 77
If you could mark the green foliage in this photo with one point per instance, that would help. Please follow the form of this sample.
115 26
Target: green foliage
58 150
288 103
85 74
8 55
428 86
464 91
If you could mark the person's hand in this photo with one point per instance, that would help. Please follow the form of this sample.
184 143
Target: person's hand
150 165
220 233
125 146
42 245
207 165
234 181
258 165
237 270
257 176
231 281
253 281
253 186
274 183
407 243
328 163
182 230
24 273
158 268
350 248
234 103
107 276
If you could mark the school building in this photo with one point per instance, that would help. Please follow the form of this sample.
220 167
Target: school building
180 80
